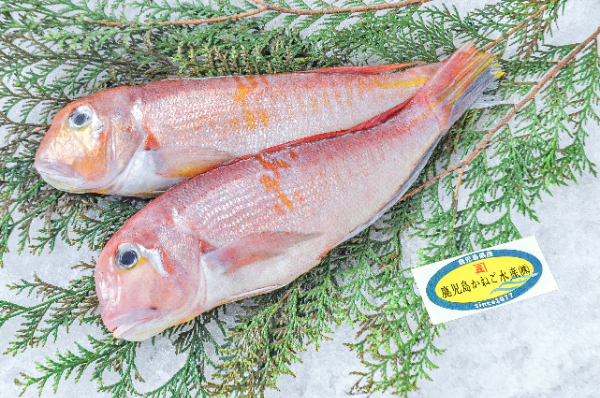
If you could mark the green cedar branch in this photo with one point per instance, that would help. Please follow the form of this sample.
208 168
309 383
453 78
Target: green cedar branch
105 353
517 107
515 29
270 7
60 307
490 133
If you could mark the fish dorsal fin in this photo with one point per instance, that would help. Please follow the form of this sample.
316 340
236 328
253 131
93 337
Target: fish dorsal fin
253 248
186 161
361 70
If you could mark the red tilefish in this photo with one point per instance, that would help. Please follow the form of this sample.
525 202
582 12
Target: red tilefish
255 224
141 140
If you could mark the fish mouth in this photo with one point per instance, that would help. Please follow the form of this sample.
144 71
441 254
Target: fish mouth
61 175
125 326
54 168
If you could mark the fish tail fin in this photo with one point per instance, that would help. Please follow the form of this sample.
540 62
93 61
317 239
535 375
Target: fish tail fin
458 83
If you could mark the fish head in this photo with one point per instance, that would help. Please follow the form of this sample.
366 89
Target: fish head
148 278
90 141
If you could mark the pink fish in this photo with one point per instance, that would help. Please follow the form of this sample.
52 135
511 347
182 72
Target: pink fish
141 140
255 224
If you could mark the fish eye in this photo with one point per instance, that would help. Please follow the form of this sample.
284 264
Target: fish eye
127 257
81 117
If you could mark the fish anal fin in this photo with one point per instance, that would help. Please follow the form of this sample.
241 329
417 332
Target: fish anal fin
361 70
252 248
186 161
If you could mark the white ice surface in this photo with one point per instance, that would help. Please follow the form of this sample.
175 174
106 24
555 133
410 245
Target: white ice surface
546 346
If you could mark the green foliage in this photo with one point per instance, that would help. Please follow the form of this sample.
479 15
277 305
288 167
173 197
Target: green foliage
62 307
54 51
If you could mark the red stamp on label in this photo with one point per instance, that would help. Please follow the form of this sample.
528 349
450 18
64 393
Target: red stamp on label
480 267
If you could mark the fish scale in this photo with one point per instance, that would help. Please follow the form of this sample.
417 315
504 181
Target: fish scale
201 110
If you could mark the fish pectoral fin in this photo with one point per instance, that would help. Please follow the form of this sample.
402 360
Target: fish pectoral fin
253 248
361 70
186 161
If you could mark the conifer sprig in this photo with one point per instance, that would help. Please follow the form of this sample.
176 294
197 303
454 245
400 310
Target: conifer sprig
323 8
494 161
59 308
